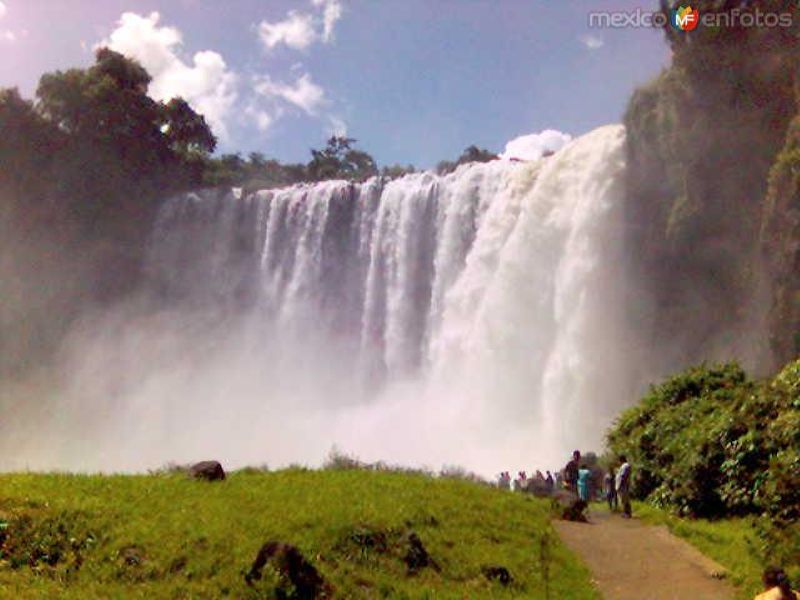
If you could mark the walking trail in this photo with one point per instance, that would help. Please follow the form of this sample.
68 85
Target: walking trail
631 560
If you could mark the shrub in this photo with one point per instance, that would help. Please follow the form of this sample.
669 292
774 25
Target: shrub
710 442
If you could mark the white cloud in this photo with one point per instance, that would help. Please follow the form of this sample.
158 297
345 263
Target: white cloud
260 117
215 89
331 13
206 83
299 30
296 31
304 93
592 42
532 146
8 36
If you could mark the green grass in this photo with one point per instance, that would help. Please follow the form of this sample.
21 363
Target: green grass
195 539
733 543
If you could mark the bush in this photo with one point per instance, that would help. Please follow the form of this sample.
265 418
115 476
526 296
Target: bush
709 442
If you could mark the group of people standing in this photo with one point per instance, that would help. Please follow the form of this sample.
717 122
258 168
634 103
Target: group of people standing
616 485
577 477
523 482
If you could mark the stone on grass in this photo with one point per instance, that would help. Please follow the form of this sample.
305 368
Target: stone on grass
296 573
208 470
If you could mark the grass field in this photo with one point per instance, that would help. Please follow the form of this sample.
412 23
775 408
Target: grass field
166 536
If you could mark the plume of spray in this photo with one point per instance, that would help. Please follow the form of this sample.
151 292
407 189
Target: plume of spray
475 318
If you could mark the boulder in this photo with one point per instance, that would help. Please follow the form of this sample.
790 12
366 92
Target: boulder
208 470
417 557
569 506
497 573
303 579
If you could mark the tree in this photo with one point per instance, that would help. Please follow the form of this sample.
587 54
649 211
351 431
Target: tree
470 154
186 131
27 144
339 160
397 171
108 103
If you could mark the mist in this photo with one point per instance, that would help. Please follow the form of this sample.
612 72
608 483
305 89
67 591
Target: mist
477 319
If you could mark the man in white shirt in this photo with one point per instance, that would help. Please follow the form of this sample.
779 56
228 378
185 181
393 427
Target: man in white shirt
623 486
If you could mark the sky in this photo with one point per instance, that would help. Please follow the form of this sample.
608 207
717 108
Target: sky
414 81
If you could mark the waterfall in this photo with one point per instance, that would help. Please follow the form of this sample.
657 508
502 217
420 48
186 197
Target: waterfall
475 318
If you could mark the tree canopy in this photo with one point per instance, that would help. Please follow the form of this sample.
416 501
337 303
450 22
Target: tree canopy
469 155
82 169
339 160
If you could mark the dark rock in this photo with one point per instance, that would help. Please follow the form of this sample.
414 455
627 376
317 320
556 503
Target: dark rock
293 568
132 555
569 506
178 565
497 573
564 498
367 539
417 557
209 470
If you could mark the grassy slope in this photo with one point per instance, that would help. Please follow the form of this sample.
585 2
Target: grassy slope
731 542
216 529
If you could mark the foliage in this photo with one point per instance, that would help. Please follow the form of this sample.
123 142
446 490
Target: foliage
167 536
81 170
469 155
254 173
339 160
710 442
397 171
95 141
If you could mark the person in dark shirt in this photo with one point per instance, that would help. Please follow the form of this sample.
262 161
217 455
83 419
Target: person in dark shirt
571 472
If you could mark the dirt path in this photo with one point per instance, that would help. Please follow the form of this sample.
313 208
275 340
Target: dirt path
631 560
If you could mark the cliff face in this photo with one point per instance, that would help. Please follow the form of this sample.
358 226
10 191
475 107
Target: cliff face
702 141
780 241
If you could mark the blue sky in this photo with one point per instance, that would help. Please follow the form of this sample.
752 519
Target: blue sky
415 81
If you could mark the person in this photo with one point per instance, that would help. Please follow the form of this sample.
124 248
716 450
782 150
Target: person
623 486
571 472
777 586
521 484
549 481
505 480
584 483
610 489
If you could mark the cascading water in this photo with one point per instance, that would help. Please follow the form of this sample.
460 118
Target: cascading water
474 318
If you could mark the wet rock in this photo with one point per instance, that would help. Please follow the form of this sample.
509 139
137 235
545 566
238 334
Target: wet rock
304 580
208 470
